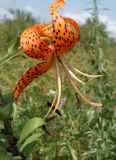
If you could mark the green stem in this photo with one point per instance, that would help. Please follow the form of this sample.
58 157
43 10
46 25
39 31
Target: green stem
7 58
9 133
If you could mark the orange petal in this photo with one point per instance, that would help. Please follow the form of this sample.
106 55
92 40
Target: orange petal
30 75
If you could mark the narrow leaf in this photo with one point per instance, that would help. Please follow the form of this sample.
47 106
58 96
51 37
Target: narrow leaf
30 126
5 156
3 144
5 112
13 47
14 110
72 152
13 51
29 148
32 138
8 98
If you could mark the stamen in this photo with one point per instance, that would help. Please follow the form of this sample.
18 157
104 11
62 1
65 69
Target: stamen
83 97
57 96
76 88
58 85
70 72
80 72
53 104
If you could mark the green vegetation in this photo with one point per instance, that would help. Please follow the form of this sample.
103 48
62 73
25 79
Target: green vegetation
81 133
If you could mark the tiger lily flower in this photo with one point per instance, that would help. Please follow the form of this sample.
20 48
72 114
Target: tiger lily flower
49 43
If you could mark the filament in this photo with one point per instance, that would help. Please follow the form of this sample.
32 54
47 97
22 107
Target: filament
80 72
76 88
70 72
57 96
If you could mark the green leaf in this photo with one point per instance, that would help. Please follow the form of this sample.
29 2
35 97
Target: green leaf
14 110
100 53
5 112
8 98
29 148
3 144
29 140
12 51
13 47
30 126
5 156
72 152
1 124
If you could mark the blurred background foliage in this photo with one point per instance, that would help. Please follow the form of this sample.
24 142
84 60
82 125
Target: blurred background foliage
80 134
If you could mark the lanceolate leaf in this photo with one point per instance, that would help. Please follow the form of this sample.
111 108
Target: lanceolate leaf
12 51
3 144
30 126
72 152
1 124
13 47
8 98
7 109
5 156
29 148
14 110
5 112
31 139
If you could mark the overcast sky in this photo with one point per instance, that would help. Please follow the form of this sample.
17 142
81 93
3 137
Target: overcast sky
72 8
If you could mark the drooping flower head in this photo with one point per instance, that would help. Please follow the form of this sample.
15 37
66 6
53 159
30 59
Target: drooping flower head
48 43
